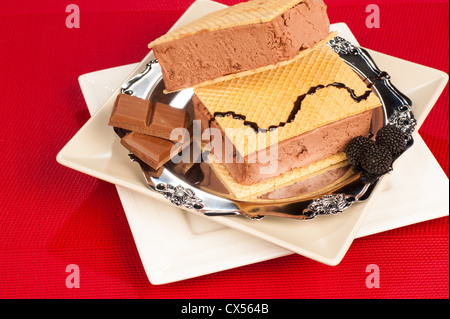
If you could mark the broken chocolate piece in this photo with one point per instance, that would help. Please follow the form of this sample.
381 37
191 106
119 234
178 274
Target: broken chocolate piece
154 151
165 119
139 115
130 113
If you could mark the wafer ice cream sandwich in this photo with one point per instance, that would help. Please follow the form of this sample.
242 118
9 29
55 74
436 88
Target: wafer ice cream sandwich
252 35
312 107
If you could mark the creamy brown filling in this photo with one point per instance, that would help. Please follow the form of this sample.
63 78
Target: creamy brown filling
207 55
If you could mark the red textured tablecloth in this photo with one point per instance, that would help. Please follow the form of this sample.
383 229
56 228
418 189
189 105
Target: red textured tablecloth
52 216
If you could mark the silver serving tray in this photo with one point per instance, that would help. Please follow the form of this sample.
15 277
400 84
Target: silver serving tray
195 186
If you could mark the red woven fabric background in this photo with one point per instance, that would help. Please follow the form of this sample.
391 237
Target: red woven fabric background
51 216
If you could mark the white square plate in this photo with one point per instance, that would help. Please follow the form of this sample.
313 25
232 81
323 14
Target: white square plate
176 245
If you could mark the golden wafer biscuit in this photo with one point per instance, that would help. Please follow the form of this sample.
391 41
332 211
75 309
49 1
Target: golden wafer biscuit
268 98
245 13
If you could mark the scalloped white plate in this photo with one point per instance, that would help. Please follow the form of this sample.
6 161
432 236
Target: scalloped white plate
175 245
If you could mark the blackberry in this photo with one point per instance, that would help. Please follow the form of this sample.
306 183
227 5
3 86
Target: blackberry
377 161
392 138
356 148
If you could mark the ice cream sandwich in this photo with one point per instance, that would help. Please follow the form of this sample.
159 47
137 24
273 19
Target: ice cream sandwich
248 37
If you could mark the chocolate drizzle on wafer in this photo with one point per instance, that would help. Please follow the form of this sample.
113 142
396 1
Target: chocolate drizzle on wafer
296 108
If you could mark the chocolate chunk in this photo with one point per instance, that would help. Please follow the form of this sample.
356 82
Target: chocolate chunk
154 151
130 113
139 115
165 119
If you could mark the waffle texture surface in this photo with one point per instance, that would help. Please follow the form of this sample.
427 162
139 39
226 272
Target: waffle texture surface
245 13
267 98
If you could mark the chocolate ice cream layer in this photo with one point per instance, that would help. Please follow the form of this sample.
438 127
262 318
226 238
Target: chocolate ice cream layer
208 55
295 152
310 185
